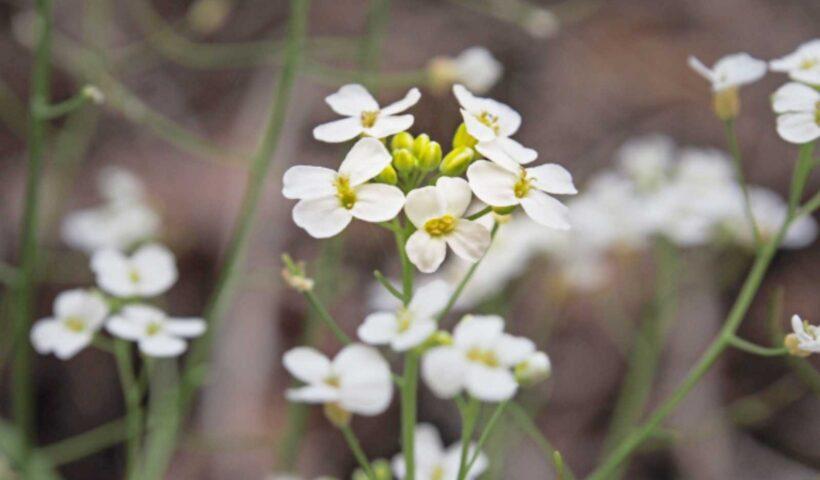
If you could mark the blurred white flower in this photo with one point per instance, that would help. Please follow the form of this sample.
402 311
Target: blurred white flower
731 71
437 213
805 340
500 187
78 315
798 107
118 185
434 462
479 360
156 334
358 380
536 368
150 271
328 200
364 116
802 65
770 211
541 23
476 68
647 160
492 123
411 326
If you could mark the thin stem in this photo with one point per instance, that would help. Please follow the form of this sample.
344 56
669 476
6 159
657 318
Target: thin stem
356 448
810 206
23 405
524 422
86 443
409 392
133 416
480 213
486 432
87 94
325 316
406 266
754 348
388 286
469 418
734 148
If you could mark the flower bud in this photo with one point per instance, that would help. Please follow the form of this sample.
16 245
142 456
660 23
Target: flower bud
726 103
503 210
401 140
388 176
337 415
420 143
382 470
430 157
533 370
457 161
792 344
462 138
404 161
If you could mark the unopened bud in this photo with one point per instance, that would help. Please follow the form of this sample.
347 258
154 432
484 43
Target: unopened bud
382 470
420 143
430 157
533 370
294 275
401 140
404 161
457 161
462 138
439 339
726 103
388 176
94 94
792 344
337 415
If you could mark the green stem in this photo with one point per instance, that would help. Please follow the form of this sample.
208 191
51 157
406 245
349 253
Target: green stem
810 206
384 282
480 213
524 422
325 316
356 448
163 412
86 443
50 112
409 392
378 15
469 418
463 283
754 348
133 416
486 432
406 266
23 404
734 148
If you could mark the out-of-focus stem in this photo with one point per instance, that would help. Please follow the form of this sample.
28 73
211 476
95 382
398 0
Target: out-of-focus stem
486 432
370 45
524 422
469 418
86 443
133 416
755 349
734 148
409 394
356 448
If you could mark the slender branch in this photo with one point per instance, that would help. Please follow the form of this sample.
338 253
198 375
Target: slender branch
480 213
524 422
406 266
88 94
86 443
325 316
486 432
734 148
409 393
356 448
810 206
387 285
469 418
754 348
132 396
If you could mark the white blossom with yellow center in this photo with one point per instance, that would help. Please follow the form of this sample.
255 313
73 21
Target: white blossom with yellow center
434 462
329 200
150 271
364 116
731 71
798 107
156 334
802 65
78 315
807 335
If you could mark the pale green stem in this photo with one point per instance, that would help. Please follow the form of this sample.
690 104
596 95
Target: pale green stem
755 349
356 448
65 107
469 418
86 443
387 285
325 316
486 432
409 393
163 412
524 422
406 266
480 213
734 148
133 415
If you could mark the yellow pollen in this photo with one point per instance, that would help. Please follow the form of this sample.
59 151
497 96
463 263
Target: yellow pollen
809 63
134 275
369 118
523 185
405 319
490 120
75 324
487 357
152 329
443 225
344 192
437 474
333 381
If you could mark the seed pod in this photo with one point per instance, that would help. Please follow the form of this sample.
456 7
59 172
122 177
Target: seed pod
457 161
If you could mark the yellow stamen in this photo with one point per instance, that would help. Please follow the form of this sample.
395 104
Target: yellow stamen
809 63
489 120
523 185
443 225
75 324
438 473
369 118
152 329
134 275
333 381
344 192
405 319
487 357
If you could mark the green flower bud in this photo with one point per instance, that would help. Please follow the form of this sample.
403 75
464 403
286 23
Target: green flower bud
388 176
382 470
430 157
401 140
457 161
404 161
462 138
420 143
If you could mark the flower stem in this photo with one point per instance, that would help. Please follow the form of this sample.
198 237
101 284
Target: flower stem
480 213
755 349
486 432
86 443
409 392
356 448
133 416
50 112
469 418
406 266
734 148
525 423
385 283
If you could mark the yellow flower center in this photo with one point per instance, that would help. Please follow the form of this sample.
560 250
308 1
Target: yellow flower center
487 357
75 324
405 319
443 225
809 63
438 473
523 185
369 118
333 381
153 328
489 120
344 192
134 275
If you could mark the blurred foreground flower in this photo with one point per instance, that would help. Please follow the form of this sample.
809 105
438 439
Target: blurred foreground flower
802 65
149 272
798 107
727 76
156 334
475 68
434 462
78 315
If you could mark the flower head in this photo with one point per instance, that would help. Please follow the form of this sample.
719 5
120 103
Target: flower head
150 271
329 200
156 334
805 340
410 326
479 360
78 314
533 369
798 107
528 187
803 65
434 462
364 116
357 380
731 71
476 68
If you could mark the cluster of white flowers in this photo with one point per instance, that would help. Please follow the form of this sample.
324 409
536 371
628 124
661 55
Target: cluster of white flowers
125 282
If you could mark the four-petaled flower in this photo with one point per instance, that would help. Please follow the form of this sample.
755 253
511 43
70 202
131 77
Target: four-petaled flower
528 187
329 200
156 334
803 65
410 326
479 360
731 71
78 314
476 68
805 340
437 213
150 271
798 107
434 462
365 117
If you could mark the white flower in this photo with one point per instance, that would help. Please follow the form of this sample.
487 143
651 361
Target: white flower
475 67
364 116
798 107
528 187
156 334
78 314
410 326
803 65
647 160
534 369
731 71
358 380
434 462
769 211
118 185
479 361
116 226
328 200
492 123
437 212
150 271
808 336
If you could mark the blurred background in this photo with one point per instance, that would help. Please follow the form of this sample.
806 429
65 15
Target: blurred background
188 87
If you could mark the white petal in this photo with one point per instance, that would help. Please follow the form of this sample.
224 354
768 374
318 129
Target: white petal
366 159
351 100
376 202
795 97
737 69
366 392
552 178
507 152
112 270
423 204
160 345
419 331
157 269
378 328
478 331
186 327
45 334
443 370
430 299
307 364
799 328
425 252
546 210
321 217
304 181
71 345
512 350
389 125
124 328
81 303
313 394
492 184
490 384
411 98
356 357
452 461
810 76
475 128
428 445
798 127
702 69
469 240
456 194
467 100
339 131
